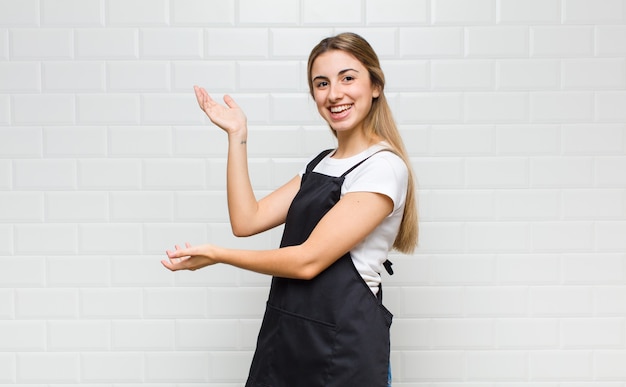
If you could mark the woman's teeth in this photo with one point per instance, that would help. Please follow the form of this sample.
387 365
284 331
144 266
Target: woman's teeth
339 109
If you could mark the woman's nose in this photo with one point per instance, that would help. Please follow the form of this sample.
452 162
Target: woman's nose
335 92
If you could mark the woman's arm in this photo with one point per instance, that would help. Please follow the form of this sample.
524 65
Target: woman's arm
247 215
354 217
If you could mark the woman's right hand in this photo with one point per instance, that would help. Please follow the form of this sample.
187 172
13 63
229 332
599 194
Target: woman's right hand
229 118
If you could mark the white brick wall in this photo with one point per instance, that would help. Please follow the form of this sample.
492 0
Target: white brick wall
514 112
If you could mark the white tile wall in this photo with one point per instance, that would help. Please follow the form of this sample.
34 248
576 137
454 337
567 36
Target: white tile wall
84 12
514 114
408 12
462 12
106 43
529 11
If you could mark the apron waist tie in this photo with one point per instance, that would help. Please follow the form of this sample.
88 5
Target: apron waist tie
387 264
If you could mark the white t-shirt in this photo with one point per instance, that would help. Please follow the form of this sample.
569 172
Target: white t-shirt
383 173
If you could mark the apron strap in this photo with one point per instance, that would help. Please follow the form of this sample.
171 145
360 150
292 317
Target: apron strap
362 161
313 163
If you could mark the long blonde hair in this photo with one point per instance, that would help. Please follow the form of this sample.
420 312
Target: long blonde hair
379 121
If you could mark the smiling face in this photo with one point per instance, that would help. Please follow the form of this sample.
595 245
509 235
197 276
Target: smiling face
342 90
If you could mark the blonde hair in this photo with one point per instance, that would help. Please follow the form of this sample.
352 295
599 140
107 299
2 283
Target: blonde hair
379 121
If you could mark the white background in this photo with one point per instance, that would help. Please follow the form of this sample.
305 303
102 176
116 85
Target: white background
514 113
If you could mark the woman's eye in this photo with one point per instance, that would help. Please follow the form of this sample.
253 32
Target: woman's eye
322 84
348 78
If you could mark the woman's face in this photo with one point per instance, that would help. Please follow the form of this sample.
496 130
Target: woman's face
342 90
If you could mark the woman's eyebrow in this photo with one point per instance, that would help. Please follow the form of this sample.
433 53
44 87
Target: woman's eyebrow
339 73
319 77
346 70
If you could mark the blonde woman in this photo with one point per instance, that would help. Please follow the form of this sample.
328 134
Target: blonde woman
325 324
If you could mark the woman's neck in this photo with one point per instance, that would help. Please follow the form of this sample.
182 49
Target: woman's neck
351 144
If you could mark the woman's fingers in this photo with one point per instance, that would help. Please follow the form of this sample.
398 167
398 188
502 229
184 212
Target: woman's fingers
179 258
200 96
204 99
206 102
230 102
173 263
180 252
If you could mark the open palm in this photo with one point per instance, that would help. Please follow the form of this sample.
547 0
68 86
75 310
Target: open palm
230 118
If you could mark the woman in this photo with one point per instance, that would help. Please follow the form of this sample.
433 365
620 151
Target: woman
324 324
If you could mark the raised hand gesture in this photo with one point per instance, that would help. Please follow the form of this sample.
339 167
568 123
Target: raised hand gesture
229 118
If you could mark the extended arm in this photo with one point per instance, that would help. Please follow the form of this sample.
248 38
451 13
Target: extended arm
354 217
247 215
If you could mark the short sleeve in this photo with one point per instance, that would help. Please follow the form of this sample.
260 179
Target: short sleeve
384 173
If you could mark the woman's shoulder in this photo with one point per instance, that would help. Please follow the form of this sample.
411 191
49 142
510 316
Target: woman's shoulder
383 172
384 156
382 165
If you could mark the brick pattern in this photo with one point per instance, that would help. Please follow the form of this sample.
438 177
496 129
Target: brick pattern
513 111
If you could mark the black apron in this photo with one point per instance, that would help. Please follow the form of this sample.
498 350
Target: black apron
331 331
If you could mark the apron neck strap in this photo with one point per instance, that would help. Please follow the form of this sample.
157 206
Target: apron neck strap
361 162
313 163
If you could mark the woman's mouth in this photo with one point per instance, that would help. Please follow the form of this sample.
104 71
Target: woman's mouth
340 108
340 111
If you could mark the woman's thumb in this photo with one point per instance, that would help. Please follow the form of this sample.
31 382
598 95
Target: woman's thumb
230 102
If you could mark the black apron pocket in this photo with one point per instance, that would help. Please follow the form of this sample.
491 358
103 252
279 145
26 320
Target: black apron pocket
297 352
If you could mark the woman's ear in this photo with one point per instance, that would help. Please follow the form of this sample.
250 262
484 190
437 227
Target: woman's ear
376 92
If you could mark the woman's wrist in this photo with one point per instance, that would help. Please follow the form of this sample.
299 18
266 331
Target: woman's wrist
238 138
213 253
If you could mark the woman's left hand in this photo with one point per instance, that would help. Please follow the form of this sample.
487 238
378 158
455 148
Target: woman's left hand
188 258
